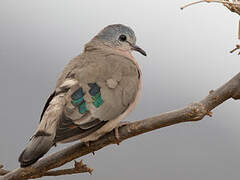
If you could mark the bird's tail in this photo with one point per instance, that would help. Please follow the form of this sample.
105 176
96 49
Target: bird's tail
44 136
39 145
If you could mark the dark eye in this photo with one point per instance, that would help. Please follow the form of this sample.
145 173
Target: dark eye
122 37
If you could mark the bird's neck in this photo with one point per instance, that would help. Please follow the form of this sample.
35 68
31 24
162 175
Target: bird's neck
95 45
102 47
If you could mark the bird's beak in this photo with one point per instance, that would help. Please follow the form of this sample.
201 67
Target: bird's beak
136 48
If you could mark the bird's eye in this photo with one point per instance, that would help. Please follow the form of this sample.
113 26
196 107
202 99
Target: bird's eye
122 37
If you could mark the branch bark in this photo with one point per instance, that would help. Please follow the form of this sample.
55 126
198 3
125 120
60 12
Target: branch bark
79 167
3 171
193 112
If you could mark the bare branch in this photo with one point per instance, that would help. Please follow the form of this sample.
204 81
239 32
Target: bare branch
193 112
3 171
236 48
79 167
232 6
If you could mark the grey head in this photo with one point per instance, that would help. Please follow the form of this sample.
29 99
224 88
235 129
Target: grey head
119 36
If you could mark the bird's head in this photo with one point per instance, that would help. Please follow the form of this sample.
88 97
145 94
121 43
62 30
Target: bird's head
119 36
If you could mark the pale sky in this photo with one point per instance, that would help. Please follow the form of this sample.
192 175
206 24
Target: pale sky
188 55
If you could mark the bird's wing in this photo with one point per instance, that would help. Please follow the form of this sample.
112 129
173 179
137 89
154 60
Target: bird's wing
86 97
99 92
43 138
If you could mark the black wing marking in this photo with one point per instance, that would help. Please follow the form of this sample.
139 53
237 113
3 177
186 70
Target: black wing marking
67 129
47 104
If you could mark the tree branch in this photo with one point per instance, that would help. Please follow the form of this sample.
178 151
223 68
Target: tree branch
193 112
79 167
3 171
233 6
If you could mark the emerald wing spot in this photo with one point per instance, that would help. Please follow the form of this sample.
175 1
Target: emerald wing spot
83 108
78 101
98 101
78 94
96 94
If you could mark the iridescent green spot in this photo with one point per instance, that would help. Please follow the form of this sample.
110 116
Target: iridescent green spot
98 101
96 94
83 108
78 98
77 101
78 94
94 89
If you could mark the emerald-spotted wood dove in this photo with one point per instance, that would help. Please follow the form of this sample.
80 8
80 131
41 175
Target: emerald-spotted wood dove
96 90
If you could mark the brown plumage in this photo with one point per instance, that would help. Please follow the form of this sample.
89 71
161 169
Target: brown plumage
96 90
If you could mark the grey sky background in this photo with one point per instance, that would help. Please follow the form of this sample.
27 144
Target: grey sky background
188 55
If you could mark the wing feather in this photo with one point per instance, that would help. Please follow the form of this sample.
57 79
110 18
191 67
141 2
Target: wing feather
92 101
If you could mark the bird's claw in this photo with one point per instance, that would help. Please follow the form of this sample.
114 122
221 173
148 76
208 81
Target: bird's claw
116 130
88 145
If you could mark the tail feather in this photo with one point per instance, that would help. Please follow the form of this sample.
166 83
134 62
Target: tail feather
37 147
43 139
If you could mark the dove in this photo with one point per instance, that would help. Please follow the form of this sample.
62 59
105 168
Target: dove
94 93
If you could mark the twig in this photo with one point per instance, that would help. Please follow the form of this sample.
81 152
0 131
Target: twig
209 1
233 6
236 48
190 4
193 112
3 171
79 167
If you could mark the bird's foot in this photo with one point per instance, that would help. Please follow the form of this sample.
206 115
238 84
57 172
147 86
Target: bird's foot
122 123
88 146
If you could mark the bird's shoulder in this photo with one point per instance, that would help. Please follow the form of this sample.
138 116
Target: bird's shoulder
96 66
97 88
104 85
